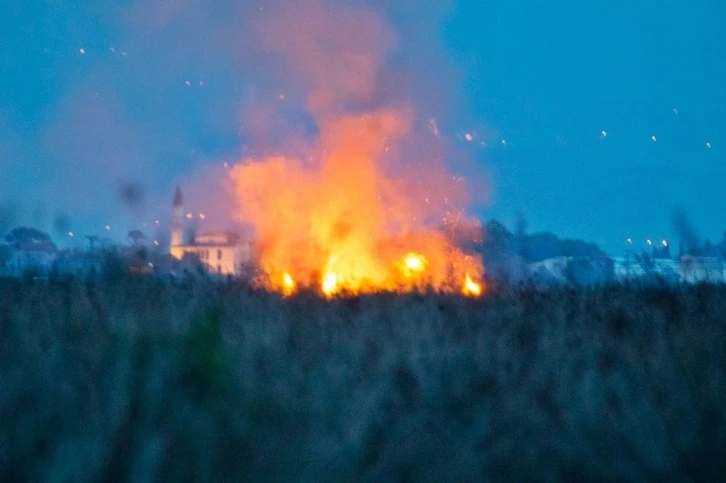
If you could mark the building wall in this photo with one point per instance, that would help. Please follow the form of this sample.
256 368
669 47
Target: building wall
223 259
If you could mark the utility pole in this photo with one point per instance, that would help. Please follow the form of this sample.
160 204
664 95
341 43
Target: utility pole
92 239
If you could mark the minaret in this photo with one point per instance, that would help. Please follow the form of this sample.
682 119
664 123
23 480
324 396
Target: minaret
177 218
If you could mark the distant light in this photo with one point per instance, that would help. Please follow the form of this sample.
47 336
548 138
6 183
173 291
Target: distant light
156 222
653 138
664 243
468 137
151 265
201 83
604 133
708 145
189 216
504 142
226 164
156 243
70 234
113 50
202 216
630 240
82 51
675 111
188 84
281 96
108 227
649 242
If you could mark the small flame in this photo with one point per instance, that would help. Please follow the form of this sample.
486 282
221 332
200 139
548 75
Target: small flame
414 264
471 287
330 284
288 284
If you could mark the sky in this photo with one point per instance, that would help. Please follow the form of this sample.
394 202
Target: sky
593 120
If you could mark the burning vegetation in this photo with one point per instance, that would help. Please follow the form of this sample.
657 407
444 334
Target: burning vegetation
355 207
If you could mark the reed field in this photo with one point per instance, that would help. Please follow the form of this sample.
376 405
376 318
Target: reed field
150 379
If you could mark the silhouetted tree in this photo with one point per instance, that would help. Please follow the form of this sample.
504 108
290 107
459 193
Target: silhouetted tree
136 237
707 248
23 235
6 253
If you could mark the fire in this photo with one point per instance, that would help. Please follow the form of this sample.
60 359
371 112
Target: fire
414 264
471 287
346 223
362 201
330 284
288 284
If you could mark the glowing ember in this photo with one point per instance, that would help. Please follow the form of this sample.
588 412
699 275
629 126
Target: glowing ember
414 264
471 287
288 284
330 284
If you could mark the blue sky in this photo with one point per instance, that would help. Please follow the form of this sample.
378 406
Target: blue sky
546 76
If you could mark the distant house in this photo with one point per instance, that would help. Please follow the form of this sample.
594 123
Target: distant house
702 269
689 269
579 270
222 252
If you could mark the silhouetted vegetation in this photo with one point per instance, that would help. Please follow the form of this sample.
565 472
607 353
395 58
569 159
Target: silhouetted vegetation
136 378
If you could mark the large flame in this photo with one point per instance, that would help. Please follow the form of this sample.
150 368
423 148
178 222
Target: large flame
356 209
343 223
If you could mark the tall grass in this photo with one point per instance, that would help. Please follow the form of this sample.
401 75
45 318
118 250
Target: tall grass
140 379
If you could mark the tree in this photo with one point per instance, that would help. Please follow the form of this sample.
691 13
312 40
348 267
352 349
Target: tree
23 236
136 237
707 248
6 253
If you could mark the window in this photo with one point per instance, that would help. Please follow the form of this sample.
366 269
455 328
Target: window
219 254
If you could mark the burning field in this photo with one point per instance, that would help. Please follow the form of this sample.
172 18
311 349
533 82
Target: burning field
363 201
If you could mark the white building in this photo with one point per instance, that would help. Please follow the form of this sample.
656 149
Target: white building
689 269
702 269
222 252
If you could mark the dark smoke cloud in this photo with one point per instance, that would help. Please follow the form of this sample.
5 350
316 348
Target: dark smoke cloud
685 230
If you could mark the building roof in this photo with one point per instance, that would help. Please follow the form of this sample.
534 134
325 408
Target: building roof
178 198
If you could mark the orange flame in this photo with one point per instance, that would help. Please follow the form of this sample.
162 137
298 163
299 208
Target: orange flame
471 287
346 224
360 207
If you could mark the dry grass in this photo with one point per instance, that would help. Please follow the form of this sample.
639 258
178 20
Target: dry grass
142 379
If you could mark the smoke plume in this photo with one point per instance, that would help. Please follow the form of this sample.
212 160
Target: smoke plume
366 182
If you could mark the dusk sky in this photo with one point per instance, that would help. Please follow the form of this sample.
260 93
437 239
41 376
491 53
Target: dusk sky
592 119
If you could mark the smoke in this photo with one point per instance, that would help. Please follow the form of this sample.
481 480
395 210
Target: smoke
165 92
684 229
364 178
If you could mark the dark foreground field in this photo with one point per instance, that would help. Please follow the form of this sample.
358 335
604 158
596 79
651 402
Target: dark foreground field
140 380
